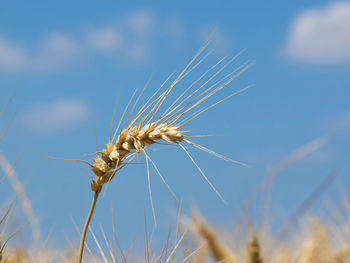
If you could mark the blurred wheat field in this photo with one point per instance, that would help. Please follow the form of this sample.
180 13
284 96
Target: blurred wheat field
317 242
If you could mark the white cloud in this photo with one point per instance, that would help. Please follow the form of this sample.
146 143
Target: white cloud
55 51
321 35
57 115
12 57
141 21
105 39
139 53
61 44
129 41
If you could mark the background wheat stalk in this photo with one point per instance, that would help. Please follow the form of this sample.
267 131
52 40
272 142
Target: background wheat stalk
152 124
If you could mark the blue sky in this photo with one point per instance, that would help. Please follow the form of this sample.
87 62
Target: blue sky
68 60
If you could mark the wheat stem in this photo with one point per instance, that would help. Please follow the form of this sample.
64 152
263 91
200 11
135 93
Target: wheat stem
86 226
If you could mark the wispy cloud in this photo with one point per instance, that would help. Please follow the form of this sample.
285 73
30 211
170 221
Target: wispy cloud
127 41
55 51
321 35
56 115
142 21
12 57
106 39
131 40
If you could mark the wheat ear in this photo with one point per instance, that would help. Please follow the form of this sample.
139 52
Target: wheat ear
149 126
220 252
254 250
316 249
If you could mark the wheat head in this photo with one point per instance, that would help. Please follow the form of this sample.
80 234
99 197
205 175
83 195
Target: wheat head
148 126
219 251
254 250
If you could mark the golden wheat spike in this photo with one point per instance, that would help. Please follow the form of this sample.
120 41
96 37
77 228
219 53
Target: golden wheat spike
315 249
219 251
254 251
